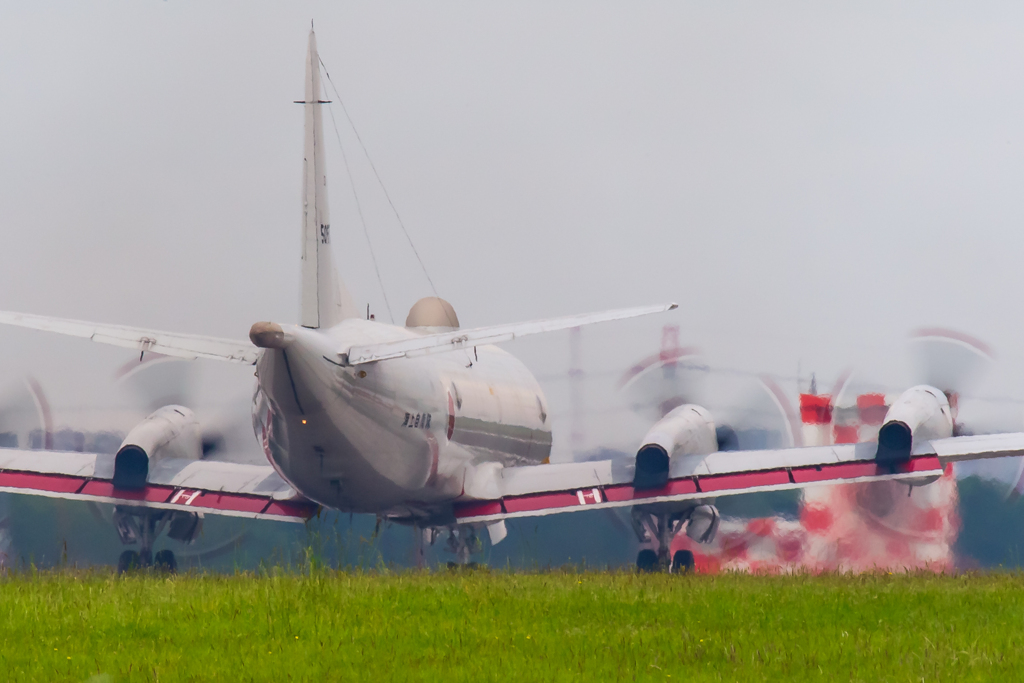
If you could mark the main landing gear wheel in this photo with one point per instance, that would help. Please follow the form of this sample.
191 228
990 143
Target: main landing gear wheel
647 561
682 562
165 562
469 566
129 561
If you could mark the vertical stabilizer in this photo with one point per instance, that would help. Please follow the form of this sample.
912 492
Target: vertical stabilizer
325 301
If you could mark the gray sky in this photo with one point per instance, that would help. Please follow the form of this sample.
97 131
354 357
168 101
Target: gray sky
809 182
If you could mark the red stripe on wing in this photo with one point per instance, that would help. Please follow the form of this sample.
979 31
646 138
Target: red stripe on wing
675 487
291 508
690 486
57 483
149 494
229 501
541 501
846 470
475 509
743 480
923 463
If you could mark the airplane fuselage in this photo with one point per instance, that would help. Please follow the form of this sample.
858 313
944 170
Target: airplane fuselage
399 437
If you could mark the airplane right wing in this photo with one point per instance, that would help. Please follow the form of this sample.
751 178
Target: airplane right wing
188 346
220 488
541 490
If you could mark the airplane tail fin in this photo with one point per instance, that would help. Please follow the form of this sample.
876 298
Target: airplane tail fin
325 300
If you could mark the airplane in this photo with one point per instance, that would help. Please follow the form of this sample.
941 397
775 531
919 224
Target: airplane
854 527
430 425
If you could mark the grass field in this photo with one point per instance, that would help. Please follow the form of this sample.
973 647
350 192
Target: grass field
479 626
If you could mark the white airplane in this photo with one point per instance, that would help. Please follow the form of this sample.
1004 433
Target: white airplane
429 425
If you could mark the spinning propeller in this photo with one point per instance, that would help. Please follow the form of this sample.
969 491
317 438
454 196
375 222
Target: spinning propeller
749 411
156 381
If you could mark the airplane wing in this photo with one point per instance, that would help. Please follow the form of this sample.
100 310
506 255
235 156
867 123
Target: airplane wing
463 339
168 343
552 489
221 488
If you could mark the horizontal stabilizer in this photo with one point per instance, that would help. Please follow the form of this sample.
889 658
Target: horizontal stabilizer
464 339
167 343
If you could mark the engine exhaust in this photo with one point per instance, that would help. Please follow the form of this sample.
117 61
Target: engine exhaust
894 442
651 467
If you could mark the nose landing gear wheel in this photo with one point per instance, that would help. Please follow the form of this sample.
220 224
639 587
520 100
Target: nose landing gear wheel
129 561
647 561
165 562
682 562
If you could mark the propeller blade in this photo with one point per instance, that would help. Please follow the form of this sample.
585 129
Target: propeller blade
948 360
158 381
659 383
753 413
25 417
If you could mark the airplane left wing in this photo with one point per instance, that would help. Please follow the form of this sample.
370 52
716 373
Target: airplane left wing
220 488
552 489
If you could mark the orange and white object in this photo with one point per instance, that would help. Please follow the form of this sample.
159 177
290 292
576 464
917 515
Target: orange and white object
854 527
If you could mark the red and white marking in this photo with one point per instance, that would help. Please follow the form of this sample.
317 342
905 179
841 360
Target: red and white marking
184 497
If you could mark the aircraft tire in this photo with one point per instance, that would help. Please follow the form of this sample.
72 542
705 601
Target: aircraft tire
647 561
165 561
469 566
682 562
129 561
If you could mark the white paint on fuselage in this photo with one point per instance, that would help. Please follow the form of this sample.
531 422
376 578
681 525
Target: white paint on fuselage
375 437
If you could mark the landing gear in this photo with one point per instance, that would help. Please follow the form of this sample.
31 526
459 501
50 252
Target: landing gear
682 562
129 561
144 526
165 562
463 541
656 527
469 566
647 561
423 536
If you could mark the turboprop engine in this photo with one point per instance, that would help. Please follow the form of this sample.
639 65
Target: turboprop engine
686 430
169 432
673 389
920 413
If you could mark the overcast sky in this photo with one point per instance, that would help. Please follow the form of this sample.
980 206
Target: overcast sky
809 181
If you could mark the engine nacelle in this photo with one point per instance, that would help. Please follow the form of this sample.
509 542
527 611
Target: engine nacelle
170 432
921 412
687 430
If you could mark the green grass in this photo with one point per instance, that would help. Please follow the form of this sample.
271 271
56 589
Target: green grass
480 626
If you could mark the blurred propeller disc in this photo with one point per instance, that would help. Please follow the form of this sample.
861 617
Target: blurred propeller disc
25 417
948 360
755 409
750 412
156 380
664 381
